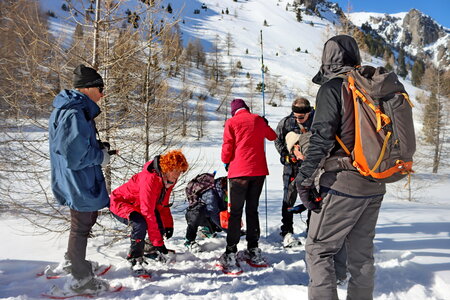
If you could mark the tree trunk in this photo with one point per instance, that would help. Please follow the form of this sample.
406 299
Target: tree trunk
96 35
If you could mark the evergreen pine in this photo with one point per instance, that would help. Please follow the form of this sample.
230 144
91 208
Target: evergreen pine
417 72
298 15
401 68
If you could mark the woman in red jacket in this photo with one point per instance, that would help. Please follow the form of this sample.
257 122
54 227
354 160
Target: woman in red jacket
143 203
245 160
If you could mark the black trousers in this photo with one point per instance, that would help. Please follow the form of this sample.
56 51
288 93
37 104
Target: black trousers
289 195
196 216
138 225
138 231
80 226
244 190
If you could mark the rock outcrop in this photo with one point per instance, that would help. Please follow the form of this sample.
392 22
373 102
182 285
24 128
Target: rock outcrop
420 30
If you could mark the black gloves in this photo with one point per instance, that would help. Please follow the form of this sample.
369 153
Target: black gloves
309 197
168 232
106 148
226 166
288 159
106 145
162 249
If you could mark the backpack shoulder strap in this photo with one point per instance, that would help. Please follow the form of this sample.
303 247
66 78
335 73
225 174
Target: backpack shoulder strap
343 145
382 118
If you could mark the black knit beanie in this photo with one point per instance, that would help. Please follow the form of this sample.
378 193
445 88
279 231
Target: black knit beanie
85 77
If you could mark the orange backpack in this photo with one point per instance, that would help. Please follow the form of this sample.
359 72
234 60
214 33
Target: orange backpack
384 128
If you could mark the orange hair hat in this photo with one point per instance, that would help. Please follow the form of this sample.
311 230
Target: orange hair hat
173 160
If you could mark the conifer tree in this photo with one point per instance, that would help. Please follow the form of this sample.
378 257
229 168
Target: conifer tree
298 15
401 65
417 72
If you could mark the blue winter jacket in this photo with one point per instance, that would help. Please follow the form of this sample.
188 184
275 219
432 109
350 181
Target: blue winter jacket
75 154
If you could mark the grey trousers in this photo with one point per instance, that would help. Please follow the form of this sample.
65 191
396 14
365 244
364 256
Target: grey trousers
80 227
349 220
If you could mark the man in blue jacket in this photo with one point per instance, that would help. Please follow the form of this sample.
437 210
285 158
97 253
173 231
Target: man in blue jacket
76 158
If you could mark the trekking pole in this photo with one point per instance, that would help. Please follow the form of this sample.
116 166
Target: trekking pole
264 114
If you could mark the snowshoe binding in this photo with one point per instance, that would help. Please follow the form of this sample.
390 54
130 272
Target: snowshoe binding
253 257
229 265
138 267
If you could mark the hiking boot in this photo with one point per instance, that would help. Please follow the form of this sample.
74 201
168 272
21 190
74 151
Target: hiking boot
341 279
148 247
138 266
254 257
229 264
136 261
290 241
207 232
192 246
89 285
65 267
136 248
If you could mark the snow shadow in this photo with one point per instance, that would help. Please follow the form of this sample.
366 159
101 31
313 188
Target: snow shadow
19 277
399 264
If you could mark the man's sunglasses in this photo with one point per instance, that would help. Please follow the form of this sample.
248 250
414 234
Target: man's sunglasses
100 89
300 117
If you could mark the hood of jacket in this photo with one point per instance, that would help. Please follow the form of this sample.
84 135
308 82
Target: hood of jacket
340 55
153 166
68 99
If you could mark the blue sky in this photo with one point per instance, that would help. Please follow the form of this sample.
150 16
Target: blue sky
439 10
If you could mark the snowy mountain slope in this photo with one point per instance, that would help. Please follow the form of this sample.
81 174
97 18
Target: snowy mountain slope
415 32
412 246
281 38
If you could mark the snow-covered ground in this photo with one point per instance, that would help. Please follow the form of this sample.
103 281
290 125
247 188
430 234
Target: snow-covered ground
412 245
412 254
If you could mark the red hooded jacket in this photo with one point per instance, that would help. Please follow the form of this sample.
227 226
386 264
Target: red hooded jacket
144 193
243 144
